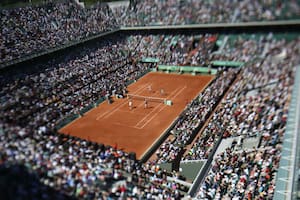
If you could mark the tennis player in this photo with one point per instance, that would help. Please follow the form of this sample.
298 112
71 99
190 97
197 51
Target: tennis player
162 92
130 104
146 104
150 88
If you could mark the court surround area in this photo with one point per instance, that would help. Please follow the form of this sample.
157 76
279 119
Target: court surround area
135 129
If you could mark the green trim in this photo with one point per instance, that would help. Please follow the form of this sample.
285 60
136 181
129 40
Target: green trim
227 63
150 60
187 69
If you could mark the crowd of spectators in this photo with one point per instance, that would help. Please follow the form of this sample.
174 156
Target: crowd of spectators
260 112
66 87
174 12
177 12
32 103
119 12
264 91
75 82
239 48
81 169
34 29
183 50
203 145
248 174
20 183
255 106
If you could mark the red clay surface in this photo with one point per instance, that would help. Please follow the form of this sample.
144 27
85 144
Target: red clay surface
137 129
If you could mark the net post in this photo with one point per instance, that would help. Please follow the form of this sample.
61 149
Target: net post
168 102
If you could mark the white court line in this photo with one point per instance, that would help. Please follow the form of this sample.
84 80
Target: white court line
161 109
115 109
102 114
180 91
155 108
130 112
167 98
174 92
150 118
124 125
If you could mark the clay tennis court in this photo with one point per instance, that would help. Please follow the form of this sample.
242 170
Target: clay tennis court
136 129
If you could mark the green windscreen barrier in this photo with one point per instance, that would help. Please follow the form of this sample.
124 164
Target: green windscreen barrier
150 60
187 69
190 170
227 63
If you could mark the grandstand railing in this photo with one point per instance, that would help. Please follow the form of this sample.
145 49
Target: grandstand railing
261 24
287 176
204 170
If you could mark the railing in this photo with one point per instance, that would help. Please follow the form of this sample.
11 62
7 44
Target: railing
204 170
287 175
217 25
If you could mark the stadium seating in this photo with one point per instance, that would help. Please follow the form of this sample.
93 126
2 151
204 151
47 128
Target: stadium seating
247 102
34 29
61 88
253 108
178 12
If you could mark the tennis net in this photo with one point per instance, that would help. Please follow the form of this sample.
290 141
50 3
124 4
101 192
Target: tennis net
146 98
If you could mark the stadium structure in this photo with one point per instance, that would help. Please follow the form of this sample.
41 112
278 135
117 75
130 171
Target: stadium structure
154 99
